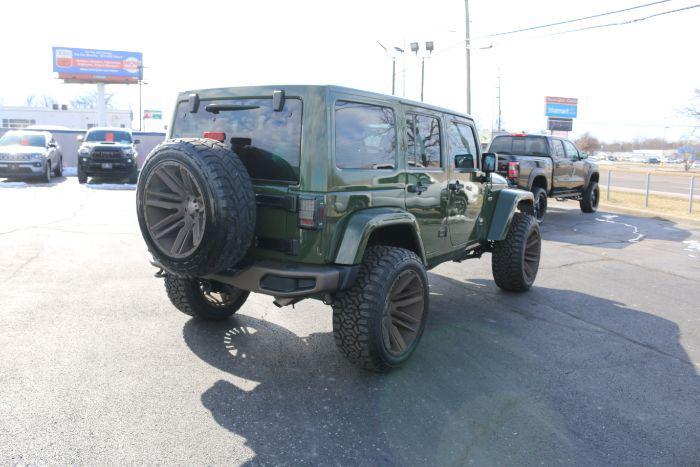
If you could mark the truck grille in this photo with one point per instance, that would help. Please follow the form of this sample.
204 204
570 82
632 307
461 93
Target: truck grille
107 154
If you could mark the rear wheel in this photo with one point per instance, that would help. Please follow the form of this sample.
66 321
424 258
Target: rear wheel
203 299
590 197
516 259
540 206
378 322
196 207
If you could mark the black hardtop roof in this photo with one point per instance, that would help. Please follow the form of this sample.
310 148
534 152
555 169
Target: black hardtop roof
300 89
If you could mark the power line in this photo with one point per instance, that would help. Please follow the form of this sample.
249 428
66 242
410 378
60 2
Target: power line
558 23
622 23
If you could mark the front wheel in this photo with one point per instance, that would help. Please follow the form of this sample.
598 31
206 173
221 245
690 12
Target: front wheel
82 176
204 299
58 171
590 198
378 322
540 207
46 178
516 259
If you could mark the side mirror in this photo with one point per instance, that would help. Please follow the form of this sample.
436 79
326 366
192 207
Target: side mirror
464 161
51 145
584 155
81 138
489 162
137 141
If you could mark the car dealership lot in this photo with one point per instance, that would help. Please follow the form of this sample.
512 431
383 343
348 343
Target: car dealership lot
598 364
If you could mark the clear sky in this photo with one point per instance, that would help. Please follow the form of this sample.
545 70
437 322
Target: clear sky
631 81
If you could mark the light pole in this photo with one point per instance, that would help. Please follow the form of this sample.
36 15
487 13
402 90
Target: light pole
467 51
403 58
429 47
393 68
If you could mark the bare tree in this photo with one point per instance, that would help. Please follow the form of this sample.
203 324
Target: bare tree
588 143
693 110
89 101
40 101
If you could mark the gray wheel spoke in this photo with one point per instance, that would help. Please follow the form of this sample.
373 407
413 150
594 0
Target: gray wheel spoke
175 209
403 315
409 301
396 338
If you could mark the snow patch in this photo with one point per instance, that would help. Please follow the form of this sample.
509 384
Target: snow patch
110 186
70 171
692 245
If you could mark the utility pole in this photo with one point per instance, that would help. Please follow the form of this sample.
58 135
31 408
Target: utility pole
499 129
467 50
140 111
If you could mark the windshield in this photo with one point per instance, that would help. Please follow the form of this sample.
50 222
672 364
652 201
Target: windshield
109 136
23 139
268 142
521 145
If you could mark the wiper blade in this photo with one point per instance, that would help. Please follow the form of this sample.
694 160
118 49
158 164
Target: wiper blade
216 108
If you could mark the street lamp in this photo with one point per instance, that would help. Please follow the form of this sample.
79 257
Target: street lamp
393 66
429 47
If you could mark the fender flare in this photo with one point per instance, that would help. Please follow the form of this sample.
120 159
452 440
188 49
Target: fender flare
506 206
362 223
535 173
588 177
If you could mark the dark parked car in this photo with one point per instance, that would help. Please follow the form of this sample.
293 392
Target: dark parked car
108 153
548 166
30 154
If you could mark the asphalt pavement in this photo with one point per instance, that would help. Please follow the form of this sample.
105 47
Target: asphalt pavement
596 365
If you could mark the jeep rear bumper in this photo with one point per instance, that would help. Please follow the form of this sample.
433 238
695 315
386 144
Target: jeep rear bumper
284 280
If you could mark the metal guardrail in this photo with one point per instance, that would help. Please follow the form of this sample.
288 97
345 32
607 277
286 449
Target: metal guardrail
647 190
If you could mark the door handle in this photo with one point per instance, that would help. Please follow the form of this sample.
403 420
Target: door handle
417 188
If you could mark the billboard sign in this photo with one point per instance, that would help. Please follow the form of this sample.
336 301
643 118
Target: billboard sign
97 66
153 114
560 124
566 107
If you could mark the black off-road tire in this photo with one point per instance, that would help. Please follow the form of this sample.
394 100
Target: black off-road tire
187 296
82 177
229 205
540 203
46 177
58 171
134 176
359 310
590 197
509 257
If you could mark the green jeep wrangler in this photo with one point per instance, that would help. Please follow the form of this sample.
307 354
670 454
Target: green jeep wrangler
330 193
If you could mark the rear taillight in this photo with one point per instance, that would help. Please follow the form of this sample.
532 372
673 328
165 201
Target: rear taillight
513 170
215 135
311 212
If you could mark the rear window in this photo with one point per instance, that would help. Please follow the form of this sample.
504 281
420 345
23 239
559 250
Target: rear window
268 142
522 145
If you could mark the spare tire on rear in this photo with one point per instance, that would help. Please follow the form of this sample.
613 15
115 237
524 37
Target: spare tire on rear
195 206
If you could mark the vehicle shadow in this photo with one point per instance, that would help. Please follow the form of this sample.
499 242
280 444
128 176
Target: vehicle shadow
30 182
553 376
607 229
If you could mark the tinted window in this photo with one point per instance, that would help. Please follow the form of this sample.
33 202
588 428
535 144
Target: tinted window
570 150
23 139
109 136
557 149
462 145
525 145
268 142
365 136
423 141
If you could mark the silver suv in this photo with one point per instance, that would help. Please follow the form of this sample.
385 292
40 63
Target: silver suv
29 154
109 153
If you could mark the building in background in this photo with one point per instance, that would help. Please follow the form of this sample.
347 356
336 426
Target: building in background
61 116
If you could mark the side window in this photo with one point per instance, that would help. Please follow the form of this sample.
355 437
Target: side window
571 151
423 134
365 136
557 149
462 145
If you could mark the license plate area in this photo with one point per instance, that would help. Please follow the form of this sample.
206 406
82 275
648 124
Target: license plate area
106 165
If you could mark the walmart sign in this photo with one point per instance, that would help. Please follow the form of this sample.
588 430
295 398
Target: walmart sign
566 107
